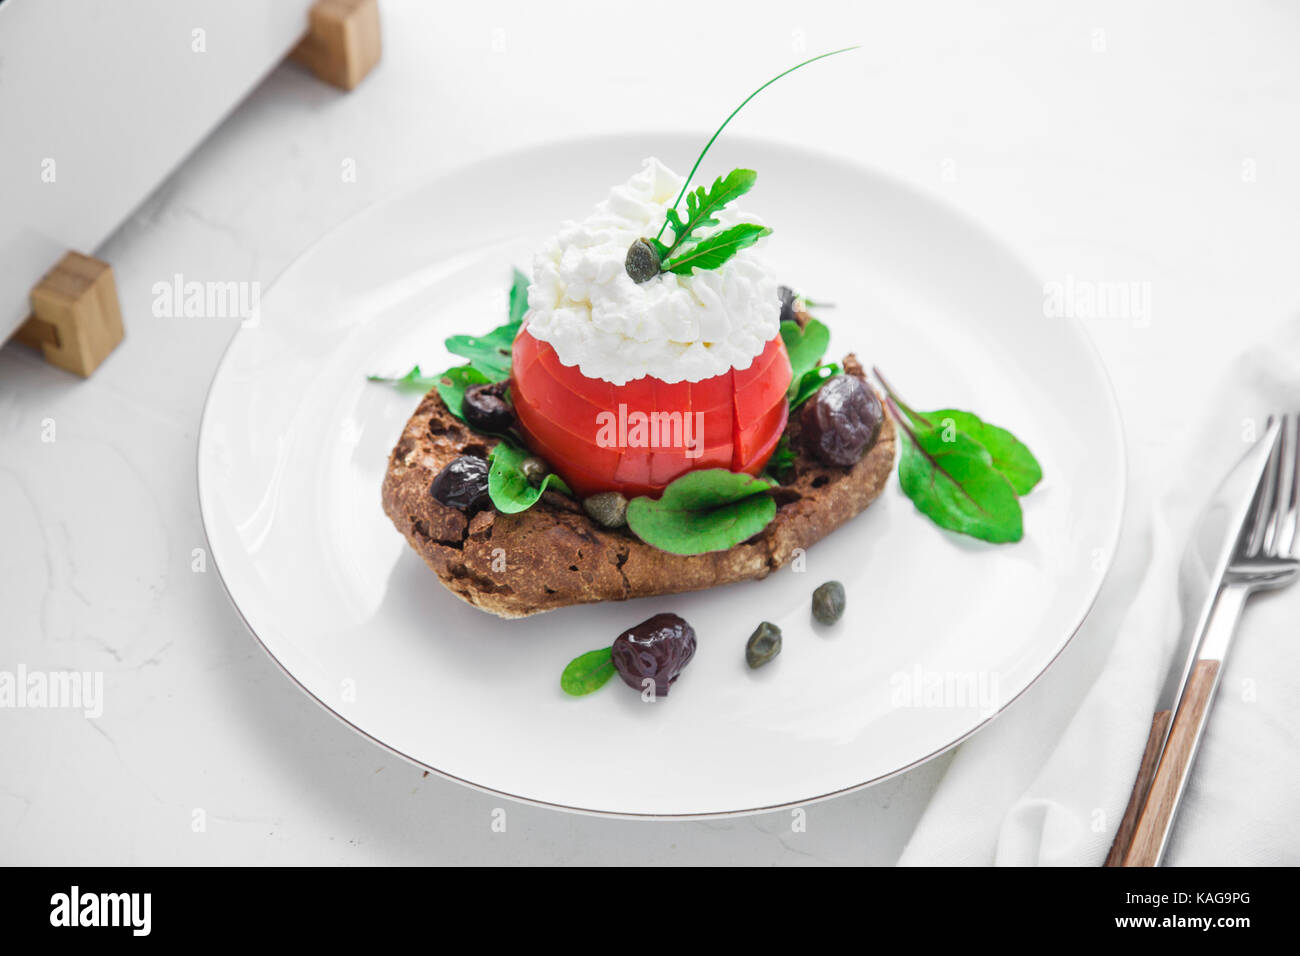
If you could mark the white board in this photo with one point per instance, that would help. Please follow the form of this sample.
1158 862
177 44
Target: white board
100 101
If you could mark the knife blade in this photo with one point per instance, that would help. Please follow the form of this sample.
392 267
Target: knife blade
1205 561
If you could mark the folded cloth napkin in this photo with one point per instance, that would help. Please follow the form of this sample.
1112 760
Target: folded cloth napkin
1048 781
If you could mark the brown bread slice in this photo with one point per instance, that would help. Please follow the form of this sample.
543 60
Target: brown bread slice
553 555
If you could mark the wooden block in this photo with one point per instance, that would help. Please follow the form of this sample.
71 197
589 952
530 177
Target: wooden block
342 43
76 320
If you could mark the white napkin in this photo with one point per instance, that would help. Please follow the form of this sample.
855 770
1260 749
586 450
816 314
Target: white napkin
1048 782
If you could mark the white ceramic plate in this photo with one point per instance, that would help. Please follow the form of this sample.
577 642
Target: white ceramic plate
940 633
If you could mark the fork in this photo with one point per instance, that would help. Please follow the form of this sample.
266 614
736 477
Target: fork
1264 558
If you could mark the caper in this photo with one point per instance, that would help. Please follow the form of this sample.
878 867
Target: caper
764 644
642 263
608 509
534 470
828 602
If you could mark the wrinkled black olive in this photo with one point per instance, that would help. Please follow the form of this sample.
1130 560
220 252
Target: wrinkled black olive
657 648
764 644
642 262
608 509
841 421
787 303
485 408
828 602
463 484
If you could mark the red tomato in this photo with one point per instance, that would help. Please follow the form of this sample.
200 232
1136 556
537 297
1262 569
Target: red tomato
756 441
637 437
595 390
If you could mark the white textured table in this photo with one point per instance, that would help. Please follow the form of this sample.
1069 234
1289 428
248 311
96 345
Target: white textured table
1107 145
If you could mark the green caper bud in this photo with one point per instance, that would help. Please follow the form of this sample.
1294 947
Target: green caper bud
764 644
828 602
608 509
534 470
642 262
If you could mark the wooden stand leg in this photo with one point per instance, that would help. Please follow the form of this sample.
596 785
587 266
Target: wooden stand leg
76 320
342 43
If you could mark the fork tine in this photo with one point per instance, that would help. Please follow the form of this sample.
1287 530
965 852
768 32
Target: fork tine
1265 498
1280 488
1291 520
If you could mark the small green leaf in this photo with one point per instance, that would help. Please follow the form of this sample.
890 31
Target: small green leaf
805 346
489 354
782 460
702 511
588 672
1010 455
954 484
452 384
701 205
713 251
413 380
518 297
509 488
806 385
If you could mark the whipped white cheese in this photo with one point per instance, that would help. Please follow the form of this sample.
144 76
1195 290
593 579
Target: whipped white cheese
676 328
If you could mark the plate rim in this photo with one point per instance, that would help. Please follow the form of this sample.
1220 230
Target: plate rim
849 163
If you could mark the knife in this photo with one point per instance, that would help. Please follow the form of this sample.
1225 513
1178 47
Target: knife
1205 562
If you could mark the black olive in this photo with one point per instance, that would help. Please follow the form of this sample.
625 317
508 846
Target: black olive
656 649
463 484
787 303
485 408
828 602
642 262
764 644
841 421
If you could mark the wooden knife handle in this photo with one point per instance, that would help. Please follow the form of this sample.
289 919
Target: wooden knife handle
1158 813
1146 770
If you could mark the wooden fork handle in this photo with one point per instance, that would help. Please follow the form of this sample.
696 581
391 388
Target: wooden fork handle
1146 770
1175 763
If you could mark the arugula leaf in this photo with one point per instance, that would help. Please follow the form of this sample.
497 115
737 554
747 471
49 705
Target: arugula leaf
805 346
806 385
718 132
955 485
701 205
489 354
518 297
713 251
1009 454
412 380
588 672
709 510
509 488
